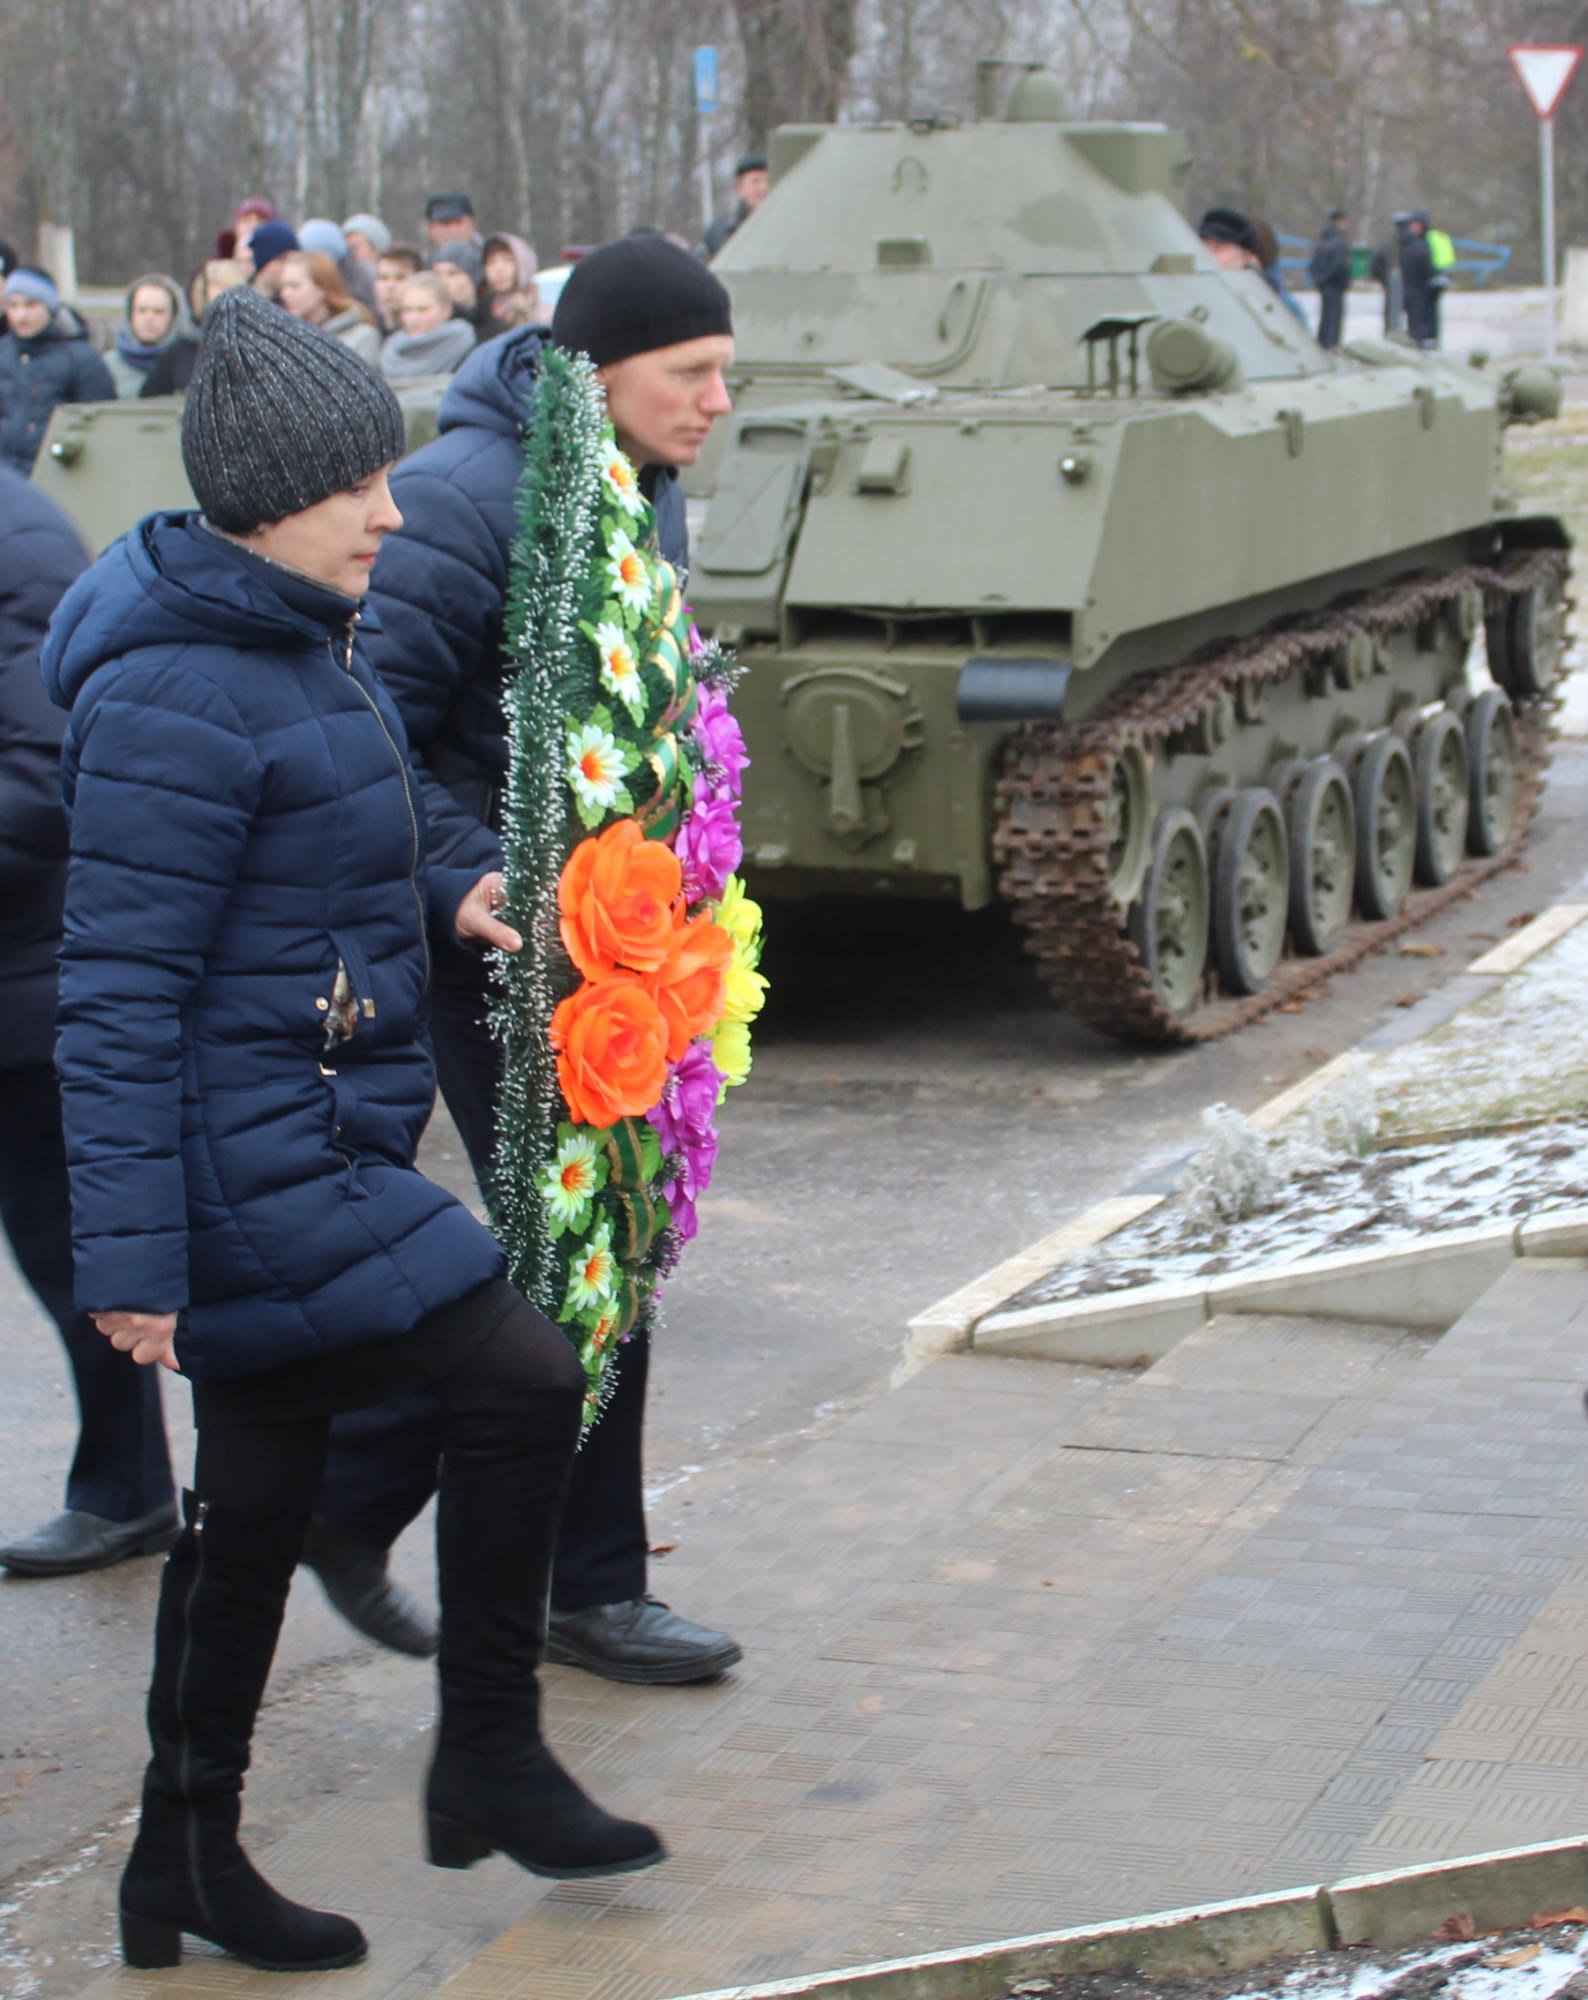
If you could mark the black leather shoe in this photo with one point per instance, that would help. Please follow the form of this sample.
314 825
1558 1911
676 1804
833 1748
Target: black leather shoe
74 1541
356 1580
640 1641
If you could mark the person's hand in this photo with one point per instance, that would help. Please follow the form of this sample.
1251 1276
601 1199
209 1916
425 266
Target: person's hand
477 921
145 1336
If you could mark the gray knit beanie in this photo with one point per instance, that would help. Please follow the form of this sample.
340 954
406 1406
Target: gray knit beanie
279 415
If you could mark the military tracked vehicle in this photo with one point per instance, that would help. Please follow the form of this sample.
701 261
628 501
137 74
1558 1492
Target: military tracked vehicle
1067 569
109 464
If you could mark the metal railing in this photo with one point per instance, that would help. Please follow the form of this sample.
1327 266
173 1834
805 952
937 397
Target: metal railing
1478 261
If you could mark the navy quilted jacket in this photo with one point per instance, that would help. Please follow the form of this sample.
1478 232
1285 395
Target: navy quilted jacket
440 584
40 556
58 365
244 975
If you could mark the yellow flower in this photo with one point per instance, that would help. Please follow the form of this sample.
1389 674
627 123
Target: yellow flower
741 919
730 1051
744 991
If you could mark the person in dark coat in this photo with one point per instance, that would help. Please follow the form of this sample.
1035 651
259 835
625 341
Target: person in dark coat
46 358
244 1079
119 1497
751 184
649 314
1419 280
1330 271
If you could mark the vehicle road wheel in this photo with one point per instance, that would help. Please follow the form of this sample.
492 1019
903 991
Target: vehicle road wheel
1251 891
1491 769
1321 822
1169 923
1528 656
1439 758
1128 823
1385 796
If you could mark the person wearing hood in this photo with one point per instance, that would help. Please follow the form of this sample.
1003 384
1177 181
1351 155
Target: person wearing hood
510 297
154 319
244 1081
312 289
46 358
658 326
429 340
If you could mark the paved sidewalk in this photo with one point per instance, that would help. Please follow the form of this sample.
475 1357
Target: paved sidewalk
1031 1645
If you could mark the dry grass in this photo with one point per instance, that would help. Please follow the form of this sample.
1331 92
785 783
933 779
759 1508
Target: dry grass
1546 466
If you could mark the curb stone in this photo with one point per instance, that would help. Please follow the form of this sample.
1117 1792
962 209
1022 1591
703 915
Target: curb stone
1427 1284
1499 1891
959 1321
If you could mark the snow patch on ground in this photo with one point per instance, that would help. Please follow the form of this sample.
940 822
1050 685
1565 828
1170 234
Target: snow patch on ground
1545 1961
1245 1201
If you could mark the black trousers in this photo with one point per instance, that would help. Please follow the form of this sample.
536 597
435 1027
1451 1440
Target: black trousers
381 1467
1331 314
122 1469
263 1439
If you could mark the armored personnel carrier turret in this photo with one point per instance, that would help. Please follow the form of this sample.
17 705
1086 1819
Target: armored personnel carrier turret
1067 569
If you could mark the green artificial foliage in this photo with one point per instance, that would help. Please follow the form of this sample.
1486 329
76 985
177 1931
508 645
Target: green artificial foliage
549 585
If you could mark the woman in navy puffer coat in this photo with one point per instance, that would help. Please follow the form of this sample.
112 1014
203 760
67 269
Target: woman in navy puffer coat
243 990
245 834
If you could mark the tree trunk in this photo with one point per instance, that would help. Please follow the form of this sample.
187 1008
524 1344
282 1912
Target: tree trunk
796 60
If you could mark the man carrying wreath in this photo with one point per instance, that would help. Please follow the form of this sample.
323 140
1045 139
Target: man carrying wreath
656 324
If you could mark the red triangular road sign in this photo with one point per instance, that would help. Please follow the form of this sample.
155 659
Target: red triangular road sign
1545 69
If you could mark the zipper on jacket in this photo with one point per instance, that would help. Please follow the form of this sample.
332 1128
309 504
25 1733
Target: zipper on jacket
195 1872
346 664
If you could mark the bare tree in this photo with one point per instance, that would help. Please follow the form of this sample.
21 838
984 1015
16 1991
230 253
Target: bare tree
796 61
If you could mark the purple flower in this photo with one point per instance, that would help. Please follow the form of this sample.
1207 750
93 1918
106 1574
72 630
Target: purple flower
708 846
686 1112
721 742
684 1121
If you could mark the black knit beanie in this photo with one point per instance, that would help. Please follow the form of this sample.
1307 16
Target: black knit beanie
635 294
279 415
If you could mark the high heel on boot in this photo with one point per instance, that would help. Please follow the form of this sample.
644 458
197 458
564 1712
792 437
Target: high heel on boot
494 1787
536 1816
221 1600
223 1899
148 1944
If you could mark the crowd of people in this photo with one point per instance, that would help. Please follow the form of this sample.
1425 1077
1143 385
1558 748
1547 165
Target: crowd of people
404 310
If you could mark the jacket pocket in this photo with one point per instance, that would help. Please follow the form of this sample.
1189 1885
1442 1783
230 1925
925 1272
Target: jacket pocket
352 997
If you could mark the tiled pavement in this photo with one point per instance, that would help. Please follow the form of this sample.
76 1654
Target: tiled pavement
1031 1645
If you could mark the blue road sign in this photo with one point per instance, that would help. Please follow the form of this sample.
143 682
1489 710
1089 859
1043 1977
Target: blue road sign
705 81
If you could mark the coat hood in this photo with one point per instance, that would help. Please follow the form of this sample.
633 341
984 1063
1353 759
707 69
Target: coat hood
172 582
495 388
182 327
525 262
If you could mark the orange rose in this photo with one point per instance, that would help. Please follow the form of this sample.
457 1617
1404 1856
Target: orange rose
612 1051
621 901
689 987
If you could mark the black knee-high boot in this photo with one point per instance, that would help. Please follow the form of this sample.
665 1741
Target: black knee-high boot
494 1787
221 1602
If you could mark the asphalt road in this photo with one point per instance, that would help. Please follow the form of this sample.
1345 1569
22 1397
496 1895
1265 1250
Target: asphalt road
917 1113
